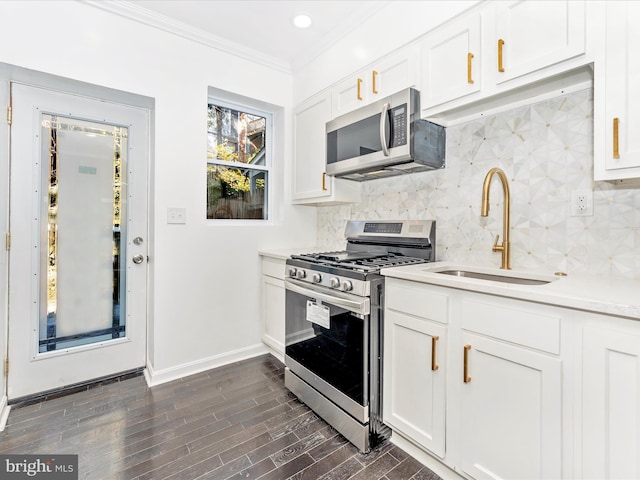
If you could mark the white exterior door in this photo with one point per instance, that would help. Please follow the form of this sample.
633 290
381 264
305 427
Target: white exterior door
78 223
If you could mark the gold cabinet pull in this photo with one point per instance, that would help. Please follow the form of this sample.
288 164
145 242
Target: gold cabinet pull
469 68
359 89
374 87
616 145
500 45
434 341
466 378
324 181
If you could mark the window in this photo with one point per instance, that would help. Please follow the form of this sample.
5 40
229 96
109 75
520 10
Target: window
238 162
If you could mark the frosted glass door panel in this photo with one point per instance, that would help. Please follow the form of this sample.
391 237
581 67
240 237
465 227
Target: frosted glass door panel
82 168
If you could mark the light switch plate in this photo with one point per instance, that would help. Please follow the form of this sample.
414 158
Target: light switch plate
176 215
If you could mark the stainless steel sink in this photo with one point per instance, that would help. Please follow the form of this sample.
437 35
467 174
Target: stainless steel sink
494 277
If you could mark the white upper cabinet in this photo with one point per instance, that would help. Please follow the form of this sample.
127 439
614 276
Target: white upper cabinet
311 184
385 77
617 96
533 34
450 61
498 48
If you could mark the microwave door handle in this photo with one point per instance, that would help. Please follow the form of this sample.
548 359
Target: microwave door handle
383 136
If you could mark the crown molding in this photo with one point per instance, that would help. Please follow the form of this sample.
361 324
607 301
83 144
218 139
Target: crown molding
139 14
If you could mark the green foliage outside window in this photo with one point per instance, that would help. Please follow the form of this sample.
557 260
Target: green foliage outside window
234 191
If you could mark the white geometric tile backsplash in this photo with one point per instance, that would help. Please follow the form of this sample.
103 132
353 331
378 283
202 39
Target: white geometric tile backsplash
546 150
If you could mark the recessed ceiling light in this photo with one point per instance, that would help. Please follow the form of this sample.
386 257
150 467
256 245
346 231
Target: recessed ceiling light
301 20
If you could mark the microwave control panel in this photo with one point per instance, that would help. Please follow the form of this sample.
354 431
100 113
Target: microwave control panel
399 125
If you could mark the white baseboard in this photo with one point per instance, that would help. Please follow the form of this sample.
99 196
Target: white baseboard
433 464
158 377
4 412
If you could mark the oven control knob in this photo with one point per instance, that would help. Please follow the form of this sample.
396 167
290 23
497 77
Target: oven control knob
334 282
292 272
347 286
317 278
301 274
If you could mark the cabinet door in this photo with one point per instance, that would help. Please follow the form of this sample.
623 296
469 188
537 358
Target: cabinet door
450 62
622 95
310 148
349 94
385 77
536 34
414 379
611 403
394 73
273 309
511 411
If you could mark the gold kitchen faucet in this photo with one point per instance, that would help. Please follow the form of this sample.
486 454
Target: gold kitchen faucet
505 247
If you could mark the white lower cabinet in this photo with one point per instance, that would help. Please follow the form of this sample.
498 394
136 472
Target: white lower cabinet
611 400
522 390
493 407
273 303
510 411
415 386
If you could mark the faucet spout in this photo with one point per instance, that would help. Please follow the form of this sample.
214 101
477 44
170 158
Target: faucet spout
505 246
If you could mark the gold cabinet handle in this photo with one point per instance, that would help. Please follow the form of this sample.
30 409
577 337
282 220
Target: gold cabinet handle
500 45
616 145
469 68
434 341
359 89
466 378
374 87
324 181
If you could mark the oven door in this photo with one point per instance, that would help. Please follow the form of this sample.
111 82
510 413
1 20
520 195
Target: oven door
327 344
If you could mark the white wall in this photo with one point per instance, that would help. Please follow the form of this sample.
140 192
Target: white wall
205 276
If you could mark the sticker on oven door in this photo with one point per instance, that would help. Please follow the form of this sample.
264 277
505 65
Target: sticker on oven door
318 314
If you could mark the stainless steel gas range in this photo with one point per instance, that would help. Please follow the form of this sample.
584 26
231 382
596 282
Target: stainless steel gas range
333 323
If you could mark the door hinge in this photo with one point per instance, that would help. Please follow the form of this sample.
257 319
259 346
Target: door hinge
9 114
6 367
8 240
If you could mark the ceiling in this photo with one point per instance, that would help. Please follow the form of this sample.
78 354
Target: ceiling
254 28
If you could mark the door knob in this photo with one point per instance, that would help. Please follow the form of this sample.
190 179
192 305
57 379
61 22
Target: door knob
137 259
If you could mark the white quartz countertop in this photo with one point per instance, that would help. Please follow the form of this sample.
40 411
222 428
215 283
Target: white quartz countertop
602 294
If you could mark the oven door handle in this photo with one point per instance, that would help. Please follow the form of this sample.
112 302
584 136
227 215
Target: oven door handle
357 306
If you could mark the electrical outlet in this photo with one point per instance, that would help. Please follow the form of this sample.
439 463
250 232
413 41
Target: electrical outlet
176 215
581 203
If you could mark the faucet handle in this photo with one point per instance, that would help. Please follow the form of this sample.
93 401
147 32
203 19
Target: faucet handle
496 247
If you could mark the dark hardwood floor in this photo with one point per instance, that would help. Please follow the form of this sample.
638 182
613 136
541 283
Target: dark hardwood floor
237 421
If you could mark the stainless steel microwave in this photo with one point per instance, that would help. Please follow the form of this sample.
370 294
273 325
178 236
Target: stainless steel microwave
384 138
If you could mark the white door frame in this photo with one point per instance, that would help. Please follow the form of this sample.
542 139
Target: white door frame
92 359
